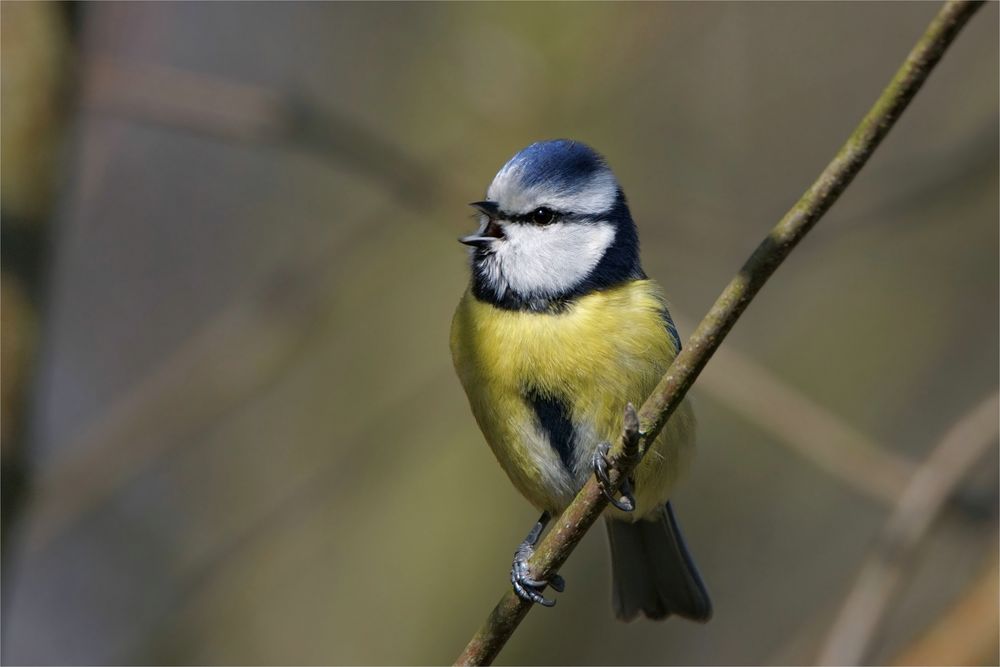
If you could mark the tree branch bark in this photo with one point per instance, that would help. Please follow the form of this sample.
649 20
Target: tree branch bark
570 527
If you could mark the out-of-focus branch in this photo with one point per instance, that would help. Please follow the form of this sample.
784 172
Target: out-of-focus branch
967 633
197 381
806 427
230 359
936 479
215 107
585 509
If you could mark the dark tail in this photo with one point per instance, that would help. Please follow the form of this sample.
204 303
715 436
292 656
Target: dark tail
653 571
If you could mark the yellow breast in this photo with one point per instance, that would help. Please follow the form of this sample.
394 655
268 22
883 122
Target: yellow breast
606 348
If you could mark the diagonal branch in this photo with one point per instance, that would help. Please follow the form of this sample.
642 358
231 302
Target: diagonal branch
570 527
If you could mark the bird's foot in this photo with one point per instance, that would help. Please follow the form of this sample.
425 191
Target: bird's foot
601 464
525 586
531 589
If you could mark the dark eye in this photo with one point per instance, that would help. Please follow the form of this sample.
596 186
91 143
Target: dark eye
542 216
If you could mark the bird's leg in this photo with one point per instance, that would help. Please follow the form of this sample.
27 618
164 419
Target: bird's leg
601 464
526 587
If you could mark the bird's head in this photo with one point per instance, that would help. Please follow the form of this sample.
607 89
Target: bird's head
554 225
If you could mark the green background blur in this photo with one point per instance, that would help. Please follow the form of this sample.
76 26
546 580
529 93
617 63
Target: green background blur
243 436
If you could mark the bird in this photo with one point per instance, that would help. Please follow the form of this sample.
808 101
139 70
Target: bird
558 330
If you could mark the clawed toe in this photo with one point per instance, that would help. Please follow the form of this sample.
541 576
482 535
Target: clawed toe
525 586
528 588
600 462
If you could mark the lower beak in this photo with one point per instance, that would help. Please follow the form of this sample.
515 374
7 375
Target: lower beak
488 235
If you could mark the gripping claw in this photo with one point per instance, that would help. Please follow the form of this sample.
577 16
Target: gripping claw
601 464
526 587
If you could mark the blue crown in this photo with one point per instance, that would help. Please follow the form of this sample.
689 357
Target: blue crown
560 163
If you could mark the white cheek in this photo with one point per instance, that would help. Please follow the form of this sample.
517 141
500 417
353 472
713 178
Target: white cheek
549 260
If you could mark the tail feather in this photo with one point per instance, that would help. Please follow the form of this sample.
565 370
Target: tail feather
653 571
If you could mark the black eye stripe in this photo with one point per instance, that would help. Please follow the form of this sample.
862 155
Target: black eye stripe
525 218
531 216
558 216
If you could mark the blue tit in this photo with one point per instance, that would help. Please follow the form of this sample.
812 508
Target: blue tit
559 329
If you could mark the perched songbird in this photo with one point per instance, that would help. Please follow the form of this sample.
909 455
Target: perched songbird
558 330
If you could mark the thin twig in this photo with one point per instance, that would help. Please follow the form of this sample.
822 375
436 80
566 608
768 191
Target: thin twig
585 509
961 447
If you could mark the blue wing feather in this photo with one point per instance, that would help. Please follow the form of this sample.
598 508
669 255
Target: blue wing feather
668 322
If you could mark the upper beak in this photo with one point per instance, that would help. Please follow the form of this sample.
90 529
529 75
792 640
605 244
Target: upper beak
489 208
491 232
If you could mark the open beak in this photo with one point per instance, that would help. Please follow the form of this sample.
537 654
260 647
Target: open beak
491 232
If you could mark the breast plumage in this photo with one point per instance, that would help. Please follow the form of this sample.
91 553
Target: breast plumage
546 389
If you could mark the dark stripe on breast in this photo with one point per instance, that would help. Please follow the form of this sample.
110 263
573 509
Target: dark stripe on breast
553 418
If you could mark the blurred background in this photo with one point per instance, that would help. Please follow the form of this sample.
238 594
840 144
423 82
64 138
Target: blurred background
231 429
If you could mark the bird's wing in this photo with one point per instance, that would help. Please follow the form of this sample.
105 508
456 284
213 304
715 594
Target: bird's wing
668 322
